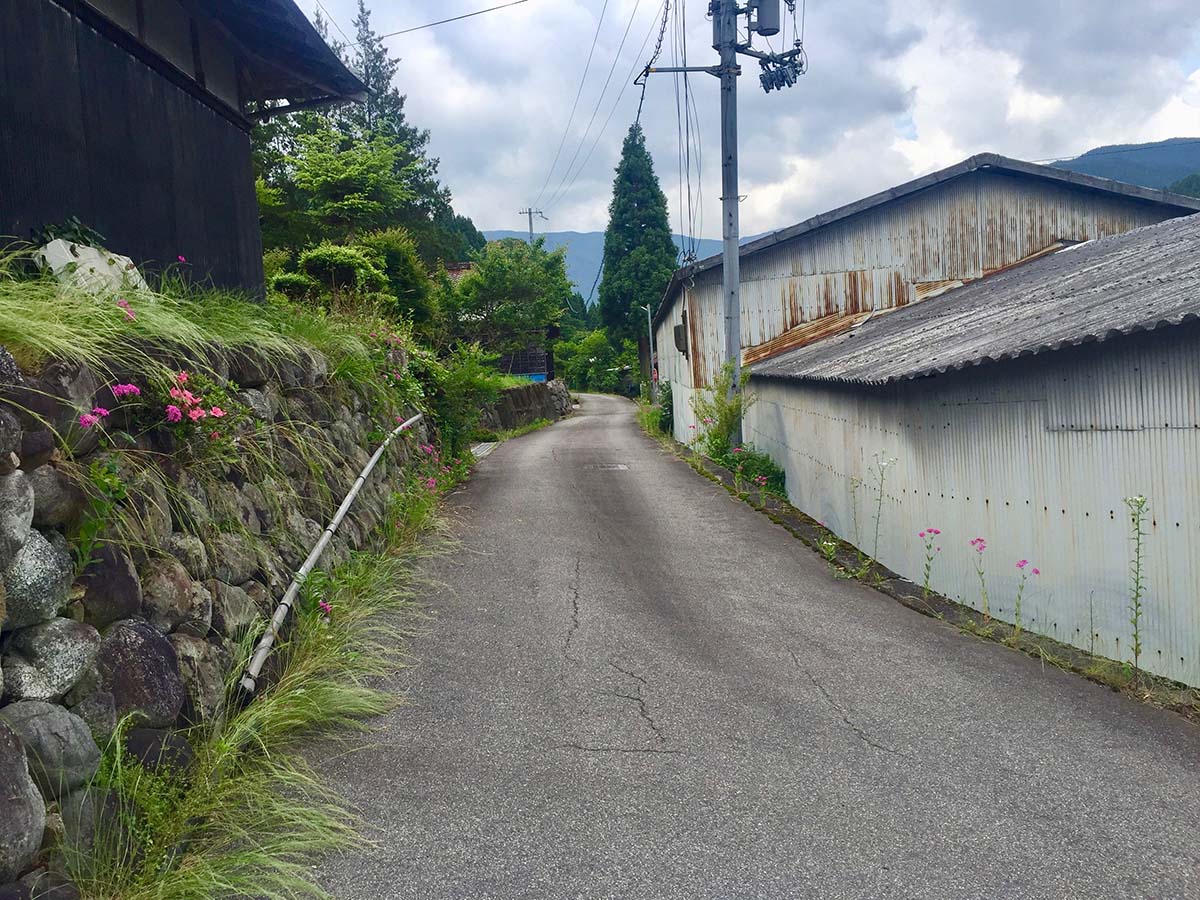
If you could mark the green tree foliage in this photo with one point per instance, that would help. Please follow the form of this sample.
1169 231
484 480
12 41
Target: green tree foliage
341 270
294 218
1189 186
395 255
593 361
350 187
512 294
639 255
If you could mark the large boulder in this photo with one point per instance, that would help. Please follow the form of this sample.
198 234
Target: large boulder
10 438
189 550
204 667
112 589
16 514
37 581
230 505
58 498
171 600
232 609
45 884
43 662
233 558
137 665
158 748
62 754
22 809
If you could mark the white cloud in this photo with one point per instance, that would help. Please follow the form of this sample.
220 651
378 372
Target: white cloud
895 89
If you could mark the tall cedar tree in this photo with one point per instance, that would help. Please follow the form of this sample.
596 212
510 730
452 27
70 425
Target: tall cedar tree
639 255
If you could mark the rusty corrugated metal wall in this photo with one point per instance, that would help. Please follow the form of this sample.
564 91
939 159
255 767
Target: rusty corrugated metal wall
889 256
1036 457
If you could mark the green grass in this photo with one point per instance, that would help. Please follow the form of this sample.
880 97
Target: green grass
251 818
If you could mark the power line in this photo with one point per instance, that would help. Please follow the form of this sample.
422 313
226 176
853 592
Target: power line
478 12
596 109
575 105
330 17
616 103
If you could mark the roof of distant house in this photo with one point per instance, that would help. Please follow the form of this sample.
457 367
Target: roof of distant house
981 161
1141 280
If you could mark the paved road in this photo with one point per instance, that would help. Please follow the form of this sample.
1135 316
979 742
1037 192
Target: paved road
638 687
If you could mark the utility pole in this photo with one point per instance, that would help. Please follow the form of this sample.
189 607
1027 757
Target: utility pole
650 344
779 70
531 212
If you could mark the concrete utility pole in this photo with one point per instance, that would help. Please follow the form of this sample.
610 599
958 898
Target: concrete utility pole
779 70
531 212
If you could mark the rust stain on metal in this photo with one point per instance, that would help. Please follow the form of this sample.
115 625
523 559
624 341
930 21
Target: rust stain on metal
805 334
695 336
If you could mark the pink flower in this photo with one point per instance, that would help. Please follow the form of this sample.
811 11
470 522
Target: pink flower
196 414
126 390
216 412
693 427
129 313
933 530
325 607
174 414
1037 571
921 535
99 411
1021 564
979 544
738 450
708 420
181 258
87 420
182 377
431 484
214 435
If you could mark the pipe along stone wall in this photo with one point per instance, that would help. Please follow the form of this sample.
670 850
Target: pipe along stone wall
185 565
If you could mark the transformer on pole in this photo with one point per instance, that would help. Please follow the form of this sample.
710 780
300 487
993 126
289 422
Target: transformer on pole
779 70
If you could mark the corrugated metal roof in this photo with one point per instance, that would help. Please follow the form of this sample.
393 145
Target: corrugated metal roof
990 161
1137 281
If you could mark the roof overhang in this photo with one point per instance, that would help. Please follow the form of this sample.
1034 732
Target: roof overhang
980 162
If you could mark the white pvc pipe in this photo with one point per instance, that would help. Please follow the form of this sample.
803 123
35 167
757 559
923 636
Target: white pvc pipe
262 650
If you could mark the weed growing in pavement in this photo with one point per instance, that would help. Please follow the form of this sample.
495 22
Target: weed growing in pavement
1138 510
979 545
930 538
879 470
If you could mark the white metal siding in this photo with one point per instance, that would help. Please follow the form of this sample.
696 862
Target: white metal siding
1036 457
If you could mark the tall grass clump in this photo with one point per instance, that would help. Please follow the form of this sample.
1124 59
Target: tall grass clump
249 817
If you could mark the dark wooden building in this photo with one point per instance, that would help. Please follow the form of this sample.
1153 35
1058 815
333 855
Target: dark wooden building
134 116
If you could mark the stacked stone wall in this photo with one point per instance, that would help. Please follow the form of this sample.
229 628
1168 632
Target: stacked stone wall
188 561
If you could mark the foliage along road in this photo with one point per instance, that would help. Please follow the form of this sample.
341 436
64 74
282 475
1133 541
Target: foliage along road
636 686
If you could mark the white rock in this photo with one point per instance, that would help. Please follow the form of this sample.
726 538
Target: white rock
89 268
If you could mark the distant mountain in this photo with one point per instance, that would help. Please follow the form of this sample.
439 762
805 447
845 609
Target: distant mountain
1156 165
1189 185
585 250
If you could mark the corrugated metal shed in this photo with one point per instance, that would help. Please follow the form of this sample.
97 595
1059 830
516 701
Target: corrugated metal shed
1137 281
992 162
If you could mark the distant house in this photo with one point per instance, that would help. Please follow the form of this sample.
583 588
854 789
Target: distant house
1025 343
457 271
134 117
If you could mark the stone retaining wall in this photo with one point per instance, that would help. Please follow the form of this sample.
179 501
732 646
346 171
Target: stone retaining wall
523 405
184 567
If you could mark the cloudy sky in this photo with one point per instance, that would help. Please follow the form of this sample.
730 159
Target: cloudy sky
895 89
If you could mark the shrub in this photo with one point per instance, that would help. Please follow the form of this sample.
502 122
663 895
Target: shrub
394 253
721 413
666 408
294 285
457 388
341 269
754 463
275 261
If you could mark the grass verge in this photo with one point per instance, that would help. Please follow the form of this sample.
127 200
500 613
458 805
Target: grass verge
248 817
847 561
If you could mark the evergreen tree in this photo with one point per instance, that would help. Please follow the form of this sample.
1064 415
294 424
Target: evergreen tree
639 255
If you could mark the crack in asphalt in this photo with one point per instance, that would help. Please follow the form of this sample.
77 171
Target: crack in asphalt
858 730
643 709
574 613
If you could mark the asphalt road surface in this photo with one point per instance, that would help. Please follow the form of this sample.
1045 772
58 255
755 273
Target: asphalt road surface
636 686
